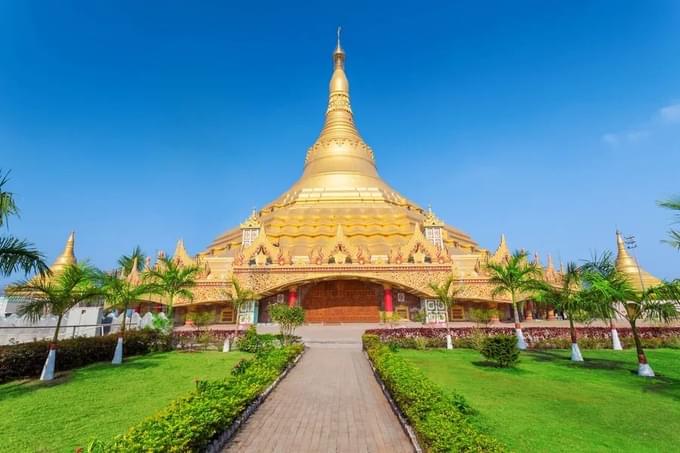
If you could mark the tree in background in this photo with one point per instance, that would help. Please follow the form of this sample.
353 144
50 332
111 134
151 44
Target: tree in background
16 254
601 305
289 318
569 299
121 290
673 235
136 259
56 295
518 278
446 294
172 280
616 295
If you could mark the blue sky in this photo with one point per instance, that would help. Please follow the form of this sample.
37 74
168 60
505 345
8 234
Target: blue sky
143 122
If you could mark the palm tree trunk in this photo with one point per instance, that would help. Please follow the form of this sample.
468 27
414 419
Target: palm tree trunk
643 367
521 344
55 338
170 316
575 350
47 373
122 327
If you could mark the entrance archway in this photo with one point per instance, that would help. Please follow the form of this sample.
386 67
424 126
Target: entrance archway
342 301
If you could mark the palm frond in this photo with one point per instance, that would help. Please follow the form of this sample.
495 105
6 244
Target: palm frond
20 255
8 206
125 261
672 204
673 239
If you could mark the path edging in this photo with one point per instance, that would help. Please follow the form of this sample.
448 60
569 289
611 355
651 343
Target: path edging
408 429
217 444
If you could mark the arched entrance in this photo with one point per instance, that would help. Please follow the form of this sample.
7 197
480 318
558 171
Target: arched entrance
342 301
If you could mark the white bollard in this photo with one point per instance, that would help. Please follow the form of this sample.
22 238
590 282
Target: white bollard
521 344
645 370
449 342
227 346
48 369
616 343
118 353
576 353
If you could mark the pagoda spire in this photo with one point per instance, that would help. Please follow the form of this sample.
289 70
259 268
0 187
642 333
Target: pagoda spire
67 256
339 147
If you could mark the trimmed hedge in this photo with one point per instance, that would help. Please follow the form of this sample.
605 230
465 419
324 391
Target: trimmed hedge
26 360
536 337
442 422
502 349
190 423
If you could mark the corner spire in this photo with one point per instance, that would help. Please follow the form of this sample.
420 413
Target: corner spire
67 256
627 265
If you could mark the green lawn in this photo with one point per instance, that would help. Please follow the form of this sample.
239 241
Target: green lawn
549 404
99 400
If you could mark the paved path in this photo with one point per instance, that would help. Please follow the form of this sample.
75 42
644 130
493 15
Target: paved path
330 402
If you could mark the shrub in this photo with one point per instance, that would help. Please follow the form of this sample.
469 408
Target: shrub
370 341
501 349
26 360
253 342
190 423
442 420
289 318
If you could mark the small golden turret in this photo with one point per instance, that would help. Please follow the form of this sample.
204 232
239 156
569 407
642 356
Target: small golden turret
502 252
133 277
67 256
627 265
181 256
537 261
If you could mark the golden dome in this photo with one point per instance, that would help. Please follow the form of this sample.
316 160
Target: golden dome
340 185
629 267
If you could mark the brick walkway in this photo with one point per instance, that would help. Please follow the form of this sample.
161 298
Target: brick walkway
330 402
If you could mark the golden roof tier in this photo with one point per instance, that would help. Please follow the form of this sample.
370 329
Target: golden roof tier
628 266
340 186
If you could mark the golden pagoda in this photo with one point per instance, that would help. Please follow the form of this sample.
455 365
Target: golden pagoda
639 278
67 256
341 242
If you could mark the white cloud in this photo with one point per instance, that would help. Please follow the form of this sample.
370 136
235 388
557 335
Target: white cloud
670 113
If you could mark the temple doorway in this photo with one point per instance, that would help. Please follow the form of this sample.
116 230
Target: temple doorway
342 301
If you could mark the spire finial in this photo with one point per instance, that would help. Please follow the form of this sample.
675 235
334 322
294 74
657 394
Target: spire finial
67 257
338 32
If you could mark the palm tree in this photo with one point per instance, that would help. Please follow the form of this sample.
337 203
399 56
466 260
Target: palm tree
601 306
120 291
126 262
656 303
16 254
170 279
239 297
569 299
674 235
447 296
519 278
56 295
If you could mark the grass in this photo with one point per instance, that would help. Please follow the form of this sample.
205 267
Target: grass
100 400
549 404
